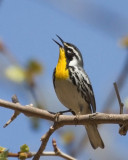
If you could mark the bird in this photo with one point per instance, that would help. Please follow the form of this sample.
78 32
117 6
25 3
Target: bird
73 87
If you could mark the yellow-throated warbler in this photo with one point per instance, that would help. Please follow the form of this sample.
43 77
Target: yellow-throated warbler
73 87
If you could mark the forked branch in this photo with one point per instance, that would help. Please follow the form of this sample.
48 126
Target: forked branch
97 118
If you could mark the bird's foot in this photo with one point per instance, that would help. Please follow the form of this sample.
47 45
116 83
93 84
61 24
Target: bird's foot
56 117
93 115
76 119
62 112
69 110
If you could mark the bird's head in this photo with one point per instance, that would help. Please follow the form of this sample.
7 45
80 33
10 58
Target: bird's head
71 52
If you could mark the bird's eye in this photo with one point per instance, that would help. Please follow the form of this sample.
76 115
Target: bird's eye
70 53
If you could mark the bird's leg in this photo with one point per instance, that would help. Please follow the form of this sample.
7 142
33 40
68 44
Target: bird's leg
51 112
66 111
73 112
76 117
61 112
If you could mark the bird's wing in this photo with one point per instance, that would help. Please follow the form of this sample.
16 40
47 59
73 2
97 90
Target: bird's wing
81 80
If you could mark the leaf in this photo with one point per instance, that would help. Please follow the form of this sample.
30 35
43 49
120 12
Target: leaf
2 149
22 156
4 154
34 67
15 74
24 148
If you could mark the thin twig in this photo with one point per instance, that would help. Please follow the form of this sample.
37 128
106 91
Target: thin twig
45 139
59 152
16 155
118 97
32 154
50 154
123 127
16 113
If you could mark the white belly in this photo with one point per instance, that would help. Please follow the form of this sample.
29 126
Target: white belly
69 96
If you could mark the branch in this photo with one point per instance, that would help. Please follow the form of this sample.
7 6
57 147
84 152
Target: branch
97 118
45 139
118 97
28 110
59 152
16 155
61 120
16 113
123 128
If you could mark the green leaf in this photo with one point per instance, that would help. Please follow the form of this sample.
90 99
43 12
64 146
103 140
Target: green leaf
4 155
22 156
34 67
15 74
24 148
2 149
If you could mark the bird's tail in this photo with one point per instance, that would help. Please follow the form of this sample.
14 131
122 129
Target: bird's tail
94 136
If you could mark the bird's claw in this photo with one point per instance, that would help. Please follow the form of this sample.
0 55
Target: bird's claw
93 115
56 117
76 119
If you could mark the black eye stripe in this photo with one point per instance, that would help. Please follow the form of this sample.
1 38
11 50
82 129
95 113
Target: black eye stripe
69 49
73 52
70 53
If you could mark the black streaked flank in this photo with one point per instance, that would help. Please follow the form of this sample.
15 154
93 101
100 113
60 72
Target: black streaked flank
53 77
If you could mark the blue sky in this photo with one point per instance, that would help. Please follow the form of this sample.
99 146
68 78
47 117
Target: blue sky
95 27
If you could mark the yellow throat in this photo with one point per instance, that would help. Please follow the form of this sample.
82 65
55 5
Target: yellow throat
61 71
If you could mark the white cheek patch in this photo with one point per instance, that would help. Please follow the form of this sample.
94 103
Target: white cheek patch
73 62
68 51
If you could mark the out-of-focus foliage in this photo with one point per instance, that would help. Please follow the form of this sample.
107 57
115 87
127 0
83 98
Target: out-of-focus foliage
124 42
68 137
33 69
2 47
15 74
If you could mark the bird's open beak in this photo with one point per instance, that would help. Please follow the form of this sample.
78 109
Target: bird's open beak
59 43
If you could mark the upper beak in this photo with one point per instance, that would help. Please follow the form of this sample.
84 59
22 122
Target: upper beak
59 43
